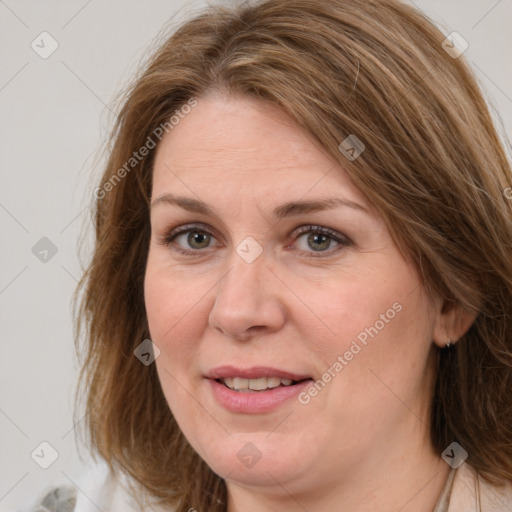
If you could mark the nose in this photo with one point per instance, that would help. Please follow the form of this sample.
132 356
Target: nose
247 302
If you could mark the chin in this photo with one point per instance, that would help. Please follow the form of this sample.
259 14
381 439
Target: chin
254 458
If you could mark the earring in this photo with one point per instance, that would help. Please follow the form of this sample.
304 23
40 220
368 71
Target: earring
449 344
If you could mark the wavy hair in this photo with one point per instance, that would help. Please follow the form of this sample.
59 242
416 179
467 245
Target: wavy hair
433 166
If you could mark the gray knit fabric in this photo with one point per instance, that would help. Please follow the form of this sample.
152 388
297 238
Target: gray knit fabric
59 499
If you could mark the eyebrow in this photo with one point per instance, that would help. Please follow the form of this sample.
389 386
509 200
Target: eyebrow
285 210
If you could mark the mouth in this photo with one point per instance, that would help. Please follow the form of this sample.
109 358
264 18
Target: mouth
246 385
259 389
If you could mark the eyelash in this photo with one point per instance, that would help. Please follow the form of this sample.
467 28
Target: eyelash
342 240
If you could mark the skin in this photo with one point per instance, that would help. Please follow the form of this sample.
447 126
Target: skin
363 442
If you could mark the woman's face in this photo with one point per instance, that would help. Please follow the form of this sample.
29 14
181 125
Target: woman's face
282 270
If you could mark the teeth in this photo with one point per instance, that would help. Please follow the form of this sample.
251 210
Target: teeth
264 383
228 381
249 385
240 383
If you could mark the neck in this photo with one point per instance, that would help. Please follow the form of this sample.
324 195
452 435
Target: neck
408 481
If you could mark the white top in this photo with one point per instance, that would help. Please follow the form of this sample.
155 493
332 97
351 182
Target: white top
464 491
105 492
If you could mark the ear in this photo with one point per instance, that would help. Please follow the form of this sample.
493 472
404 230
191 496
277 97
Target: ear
452 322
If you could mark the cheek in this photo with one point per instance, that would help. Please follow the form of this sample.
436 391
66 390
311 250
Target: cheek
384 355
377 319
172 306
353 304
172 311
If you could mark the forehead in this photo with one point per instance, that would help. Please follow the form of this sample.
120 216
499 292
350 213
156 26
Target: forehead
228 145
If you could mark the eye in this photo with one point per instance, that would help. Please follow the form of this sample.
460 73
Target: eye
314 240
189 238
318 239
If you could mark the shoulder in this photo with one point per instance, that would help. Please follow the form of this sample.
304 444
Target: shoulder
471 493
99 489
57 499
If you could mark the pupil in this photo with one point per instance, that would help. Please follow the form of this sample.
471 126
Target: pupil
198 238
315 238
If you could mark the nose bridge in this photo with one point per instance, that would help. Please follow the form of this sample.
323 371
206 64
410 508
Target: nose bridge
242 284
244 299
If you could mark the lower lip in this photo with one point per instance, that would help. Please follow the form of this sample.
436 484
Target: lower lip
257 402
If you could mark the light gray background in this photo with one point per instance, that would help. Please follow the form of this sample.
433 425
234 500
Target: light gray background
54 116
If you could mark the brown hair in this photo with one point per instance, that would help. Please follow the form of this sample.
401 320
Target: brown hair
433 166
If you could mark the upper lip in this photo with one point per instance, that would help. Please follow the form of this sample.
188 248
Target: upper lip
253 372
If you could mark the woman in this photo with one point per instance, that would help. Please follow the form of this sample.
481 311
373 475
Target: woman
300 295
